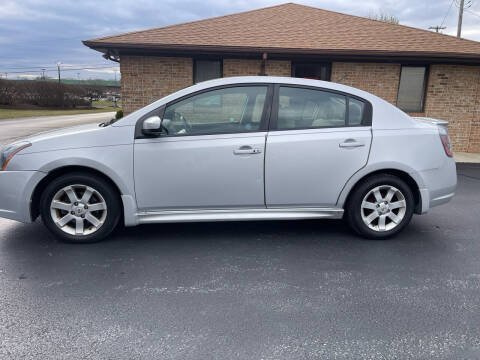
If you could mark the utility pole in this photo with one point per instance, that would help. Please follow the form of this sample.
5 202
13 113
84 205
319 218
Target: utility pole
436 28
460 18
58 68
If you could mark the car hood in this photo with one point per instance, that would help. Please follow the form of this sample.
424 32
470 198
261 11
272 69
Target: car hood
89 135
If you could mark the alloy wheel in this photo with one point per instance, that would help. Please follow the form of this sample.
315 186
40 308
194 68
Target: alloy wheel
78 210
383 208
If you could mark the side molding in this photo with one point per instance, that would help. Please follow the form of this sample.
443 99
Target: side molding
238 215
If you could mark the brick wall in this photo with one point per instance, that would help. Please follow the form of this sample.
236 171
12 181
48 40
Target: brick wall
376 78
149 78
453 94
453 91
242 67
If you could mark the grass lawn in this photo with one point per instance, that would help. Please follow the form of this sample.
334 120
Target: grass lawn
100 106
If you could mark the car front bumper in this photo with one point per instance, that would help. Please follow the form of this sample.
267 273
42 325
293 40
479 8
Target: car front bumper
16 188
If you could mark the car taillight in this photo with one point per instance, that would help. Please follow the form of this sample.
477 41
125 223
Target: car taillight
447 146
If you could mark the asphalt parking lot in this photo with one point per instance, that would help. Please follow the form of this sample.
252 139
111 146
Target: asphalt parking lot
19 128
257 290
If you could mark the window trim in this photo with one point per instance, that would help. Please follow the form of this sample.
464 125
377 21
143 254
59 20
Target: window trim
194 70
425 85
264 121
367 114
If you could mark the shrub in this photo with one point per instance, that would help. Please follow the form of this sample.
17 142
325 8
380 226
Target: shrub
119 114
46 93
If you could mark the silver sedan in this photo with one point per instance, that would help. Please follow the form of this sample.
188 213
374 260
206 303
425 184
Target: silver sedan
245 148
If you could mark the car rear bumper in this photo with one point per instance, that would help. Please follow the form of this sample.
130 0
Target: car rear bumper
440 185
16 188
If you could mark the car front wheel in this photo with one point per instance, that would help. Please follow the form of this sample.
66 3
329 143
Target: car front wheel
80 208
380 207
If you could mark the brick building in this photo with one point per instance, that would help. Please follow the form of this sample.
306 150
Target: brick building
422 72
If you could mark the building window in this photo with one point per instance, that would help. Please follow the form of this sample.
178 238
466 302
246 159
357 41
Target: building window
411 92
316 71
204 70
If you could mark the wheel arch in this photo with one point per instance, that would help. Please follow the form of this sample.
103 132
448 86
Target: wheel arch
402 174
38 190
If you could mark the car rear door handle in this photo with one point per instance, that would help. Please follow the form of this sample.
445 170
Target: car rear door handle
351 143
245 150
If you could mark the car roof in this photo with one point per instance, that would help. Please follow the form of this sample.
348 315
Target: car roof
281 80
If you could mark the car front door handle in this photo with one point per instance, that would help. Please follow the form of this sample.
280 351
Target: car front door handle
351 143
245 150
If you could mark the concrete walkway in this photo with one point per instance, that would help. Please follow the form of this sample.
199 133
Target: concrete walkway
462 157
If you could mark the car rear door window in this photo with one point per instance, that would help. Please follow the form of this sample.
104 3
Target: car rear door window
300 108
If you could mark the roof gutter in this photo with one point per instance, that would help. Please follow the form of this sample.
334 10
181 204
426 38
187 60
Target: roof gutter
118 48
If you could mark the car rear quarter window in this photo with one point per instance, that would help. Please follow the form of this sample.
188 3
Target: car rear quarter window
356 109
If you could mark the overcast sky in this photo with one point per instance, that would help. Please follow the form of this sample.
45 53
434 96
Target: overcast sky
38 33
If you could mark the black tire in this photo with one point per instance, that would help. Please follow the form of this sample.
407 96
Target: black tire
353 209
105 189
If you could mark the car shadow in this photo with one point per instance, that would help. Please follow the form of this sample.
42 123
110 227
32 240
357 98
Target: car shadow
329 240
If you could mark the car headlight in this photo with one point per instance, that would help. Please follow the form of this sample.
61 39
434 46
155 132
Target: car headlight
9 151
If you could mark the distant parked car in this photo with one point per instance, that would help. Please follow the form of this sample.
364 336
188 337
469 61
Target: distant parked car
245 148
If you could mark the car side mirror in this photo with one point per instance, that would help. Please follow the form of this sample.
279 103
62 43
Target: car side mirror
152 126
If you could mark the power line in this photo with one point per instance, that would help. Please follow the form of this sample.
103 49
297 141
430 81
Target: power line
448 11
47 66
63 69
472 12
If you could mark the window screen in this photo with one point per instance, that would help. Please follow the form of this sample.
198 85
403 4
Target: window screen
412 88
207 70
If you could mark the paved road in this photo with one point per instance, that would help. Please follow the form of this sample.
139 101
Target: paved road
258 290
13 129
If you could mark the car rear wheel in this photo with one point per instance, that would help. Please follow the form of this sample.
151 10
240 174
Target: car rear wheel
380 207
80 208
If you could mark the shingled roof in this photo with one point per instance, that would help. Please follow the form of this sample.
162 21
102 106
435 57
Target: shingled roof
294 29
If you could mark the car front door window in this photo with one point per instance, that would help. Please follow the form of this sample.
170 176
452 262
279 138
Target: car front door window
220 111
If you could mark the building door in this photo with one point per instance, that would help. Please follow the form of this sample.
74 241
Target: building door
311 70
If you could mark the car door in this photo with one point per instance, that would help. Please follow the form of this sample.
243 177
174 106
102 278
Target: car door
318 140
211 152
